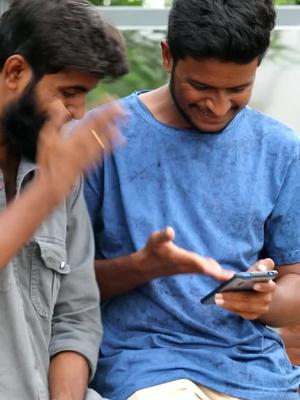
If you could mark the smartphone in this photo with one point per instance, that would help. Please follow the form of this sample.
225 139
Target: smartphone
239 282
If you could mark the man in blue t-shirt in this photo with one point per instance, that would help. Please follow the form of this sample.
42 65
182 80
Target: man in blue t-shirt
227 180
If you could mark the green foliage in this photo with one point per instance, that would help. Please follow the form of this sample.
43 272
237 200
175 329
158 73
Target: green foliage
281 52
286 2
145 67
144 57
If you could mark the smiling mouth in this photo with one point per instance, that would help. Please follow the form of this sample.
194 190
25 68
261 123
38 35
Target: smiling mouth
210 118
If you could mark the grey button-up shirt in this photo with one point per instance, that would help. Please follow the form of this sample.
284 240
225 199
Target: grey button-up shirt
48 298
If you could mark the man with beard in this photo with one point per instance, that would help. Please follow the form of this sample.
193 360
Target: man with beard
51 55
225 178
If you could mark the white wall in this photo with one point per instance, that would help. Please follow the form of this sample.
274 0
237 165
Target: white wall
277 88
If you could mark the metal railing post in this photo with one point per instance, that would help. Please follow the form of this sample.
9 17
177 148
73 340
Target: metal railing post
3 5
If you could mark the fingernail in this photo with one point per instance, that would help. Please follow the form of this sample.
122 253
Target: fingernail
219 299
262 267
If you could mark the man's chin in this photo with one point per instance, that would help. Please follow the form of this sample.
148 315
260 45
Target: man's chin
210 128
212 125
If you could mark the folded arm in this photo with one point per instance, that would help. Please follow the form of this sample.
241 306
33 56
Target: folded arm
76 325
68 376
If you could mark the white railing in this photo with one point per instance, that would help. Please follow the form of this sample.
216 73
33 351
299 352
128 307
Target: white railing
140 18
3 5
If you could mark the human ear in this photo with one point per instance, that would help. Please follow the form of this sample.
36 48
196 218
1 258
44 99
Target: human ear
17 73
166 56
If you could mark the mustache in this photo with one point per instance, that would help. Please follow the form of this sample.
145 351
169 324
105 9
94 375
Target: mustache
206 111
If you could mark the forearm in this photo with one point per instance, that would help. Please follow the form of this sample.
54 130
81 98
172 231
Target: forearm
23 216
285 305
119 275
68 376
160 257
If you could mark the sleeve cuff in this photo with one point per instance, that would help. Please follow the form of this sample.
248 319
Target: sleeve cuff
76 347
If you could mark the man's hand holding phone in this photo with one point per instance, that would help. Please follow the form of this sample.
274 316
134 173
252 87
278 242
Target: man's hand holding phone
250 304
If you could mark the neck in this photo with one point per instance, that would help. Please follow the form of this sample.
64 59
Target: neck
162 107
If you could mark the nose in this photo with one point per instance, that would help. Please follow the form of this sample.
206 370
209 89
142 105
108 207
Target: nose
219 104
77 109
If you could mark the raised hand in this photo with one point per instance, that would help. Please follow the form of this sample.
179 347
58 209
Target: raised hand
161 257
62 157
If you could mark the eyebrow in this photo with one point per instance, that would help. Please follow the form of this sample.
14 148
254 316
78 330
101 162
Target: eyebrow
213 87
76 88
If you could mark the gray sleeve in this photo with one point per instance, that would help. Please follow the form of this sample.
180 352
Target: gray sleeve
76 324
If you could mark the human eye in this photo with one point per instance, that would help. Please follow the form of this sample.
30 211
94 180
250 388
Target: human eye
198 86
239 89
69 92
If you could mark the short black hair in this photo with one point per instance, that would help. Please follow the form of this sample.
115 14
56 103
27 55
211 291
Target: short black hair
228 30
54 35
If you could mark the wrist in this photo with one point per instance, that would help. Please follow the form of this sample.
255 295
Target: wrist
63 394
142 271
68 376
47 190
148 267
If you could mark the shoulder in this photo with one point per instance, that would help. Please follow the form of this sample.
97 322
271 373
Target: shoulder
129 102
133 109
277 136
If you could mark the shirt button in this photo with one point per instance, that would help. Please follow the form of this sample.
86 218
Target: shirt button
62 265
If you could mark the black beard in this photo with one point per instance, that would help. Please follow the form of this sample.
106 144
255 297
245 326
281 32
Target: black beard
22 121
184 115
179 109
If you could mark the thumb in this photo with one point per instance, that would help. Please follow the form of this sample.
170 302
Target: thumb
159 237
265 264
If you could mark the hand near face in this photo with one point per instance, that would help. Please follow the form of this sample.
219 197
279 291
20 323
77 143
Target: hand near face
161 257
250 304
62 158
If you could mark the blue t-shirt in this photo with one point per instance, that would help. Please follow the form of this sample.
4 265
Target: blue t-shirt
233 196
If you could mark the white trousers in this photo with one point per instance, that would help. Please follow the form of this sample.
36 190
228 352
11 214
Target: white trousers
92 395
182 389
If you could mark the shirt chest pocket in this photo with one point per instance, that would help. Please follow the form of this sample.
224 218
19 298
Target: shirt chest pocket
48 268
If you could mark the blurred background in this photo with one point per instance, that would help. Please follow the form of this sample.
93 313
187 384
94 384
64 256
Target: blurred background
143 23
278 78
